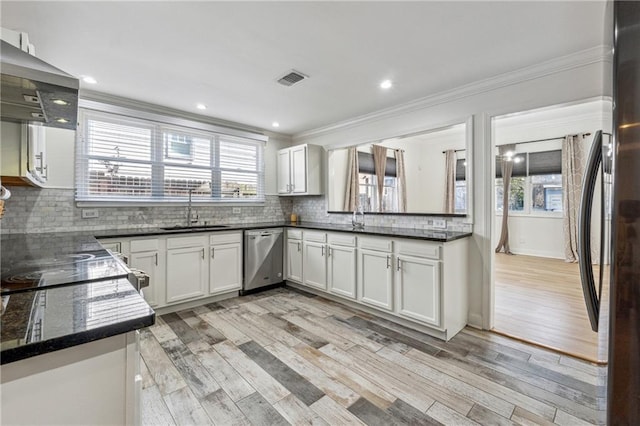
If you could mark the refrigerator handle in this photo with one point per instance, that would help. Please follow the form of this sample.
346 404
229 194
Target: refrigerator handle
591 296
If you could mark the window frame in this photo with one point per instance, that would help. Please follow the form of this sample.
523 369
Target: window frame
162 123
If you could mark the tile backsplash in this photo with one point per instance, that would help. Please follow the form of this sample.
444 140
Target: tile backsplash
53 210
314 209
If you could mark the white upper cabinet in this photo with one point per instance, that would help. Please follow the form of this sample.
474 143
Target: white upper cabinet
300 170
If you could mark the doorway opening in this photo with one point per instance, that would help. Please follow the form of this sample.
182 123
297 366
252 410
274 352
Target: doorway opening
537 287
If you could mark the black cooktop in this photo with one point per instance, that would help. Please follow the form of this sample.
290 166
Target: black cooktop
33 261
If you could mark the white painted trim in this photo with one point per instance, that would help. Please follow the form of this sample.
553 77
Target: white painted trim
475 320
536 253
582 58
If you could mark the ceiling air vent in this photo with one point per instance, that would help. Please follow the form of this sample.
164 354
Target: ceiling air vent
292 78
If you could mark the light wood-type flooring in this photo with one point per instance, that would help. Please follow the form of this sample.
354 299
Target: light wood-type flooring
540 300
286 357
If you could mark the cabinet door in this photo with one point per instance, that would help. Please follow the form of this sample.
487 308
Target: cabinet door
294 260
375 278
342 271
148 262
418 286
186 273
315 265
225 268
284 171
299 169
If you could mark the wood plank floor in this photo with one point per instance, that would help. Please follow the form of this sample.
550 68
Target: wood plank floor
540 300
285 357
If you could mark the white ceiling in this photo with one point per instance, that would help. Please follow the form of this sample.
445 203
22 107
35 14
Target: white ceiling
228 55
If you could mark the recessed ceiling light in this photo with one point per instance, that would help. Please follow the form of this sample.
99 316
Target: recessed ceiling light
89 79
386 84
60 102
275 124
201 106
62 120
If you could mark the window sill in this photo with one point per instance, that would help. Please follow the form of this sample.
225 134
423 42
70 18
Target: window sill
533 215
170 204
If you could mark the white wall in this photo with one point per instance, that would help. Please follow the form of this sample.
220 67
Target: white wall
581 76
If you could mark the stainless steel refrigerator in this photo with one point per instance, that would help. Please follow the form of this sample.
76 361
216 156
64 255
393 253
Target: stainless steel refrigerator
622 245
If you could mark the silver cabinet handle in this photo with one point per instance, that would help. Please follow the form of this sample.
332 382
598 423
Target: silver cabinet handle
322 250
298 245
203 252
156 256
213 252
45 171
388 261
398 264
329 250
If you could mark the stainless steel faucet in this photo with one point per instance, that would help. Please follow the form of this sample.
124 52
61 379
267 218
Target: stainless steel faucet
190 220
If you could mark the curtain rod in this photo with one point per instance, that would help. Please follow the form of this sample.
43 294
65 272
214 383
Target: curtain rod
544 140
537 140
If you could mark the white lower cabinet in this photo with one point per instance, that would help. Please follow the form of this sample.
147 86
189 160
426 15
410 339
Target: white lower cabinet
294 260
225 267
184 267
375 278
148 262
186 273
418 289
314 264
419 281
342 270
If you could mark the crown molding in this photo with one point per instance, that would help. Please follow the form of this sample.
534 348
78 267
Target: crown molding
579 59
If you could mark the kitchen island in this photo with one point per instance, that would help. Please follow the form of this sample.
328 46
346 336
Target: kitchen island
68 332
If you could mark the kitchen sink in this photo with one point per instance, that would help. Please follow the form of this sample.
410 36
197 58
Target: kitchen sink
198 227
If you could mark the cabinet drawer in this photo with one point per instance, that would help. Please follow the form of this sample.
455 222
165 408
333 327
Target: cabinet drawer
294 234
342 240
418 248
114 246
319 237
144 245
372 243
191 241
225 238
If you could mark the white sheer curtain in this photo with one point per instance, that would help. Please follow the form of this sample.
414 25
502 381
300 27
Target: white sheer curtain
450 181
401 180
573 163
506 164
353 186
380 165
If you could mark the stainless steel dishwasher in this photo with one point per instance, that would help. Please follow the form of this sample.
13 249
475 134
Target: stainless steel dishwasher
262 258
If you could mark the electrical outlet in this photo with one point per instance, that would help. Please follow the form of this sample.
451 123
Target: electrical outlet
439 223
236 210
89 213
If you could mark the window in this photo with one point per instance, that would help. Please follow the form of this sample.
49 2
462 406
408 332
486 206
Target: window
369 184
461 186
536 183
125 159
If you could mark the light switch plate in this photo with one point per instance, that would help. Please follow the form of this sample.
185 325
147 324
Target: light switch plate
89 213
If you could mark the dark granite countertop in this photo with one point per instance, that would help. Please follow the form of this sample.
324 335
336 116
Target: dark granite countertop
421 234
64 289
31 261
54 318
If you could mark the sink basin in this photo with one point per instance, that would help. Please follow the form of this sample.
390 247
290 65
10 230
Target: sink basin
198 227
